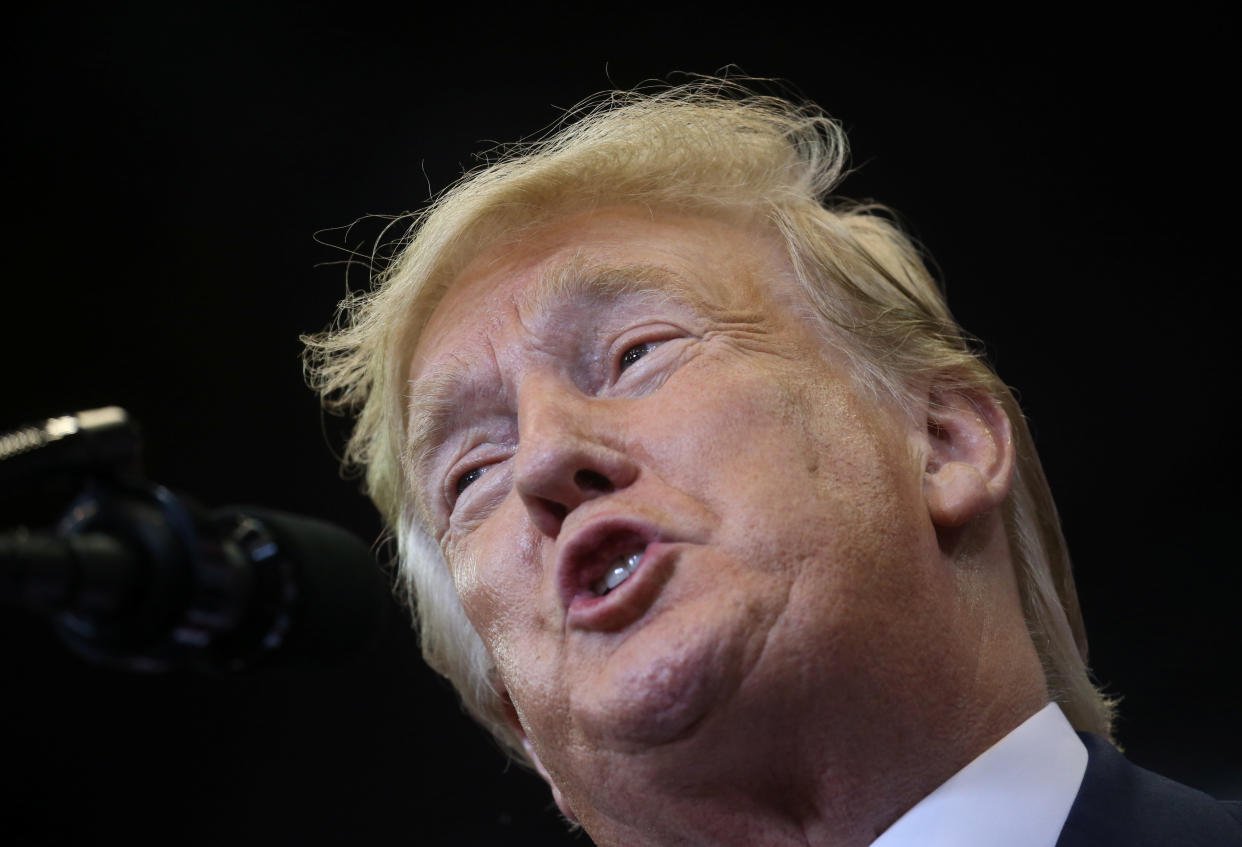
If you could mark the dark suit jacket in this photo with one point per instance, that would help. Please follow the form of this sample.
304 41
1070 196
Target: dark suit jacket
1122 804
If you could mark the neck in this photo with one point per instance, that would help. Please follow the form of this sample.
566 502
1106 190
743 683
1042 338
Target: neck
793 796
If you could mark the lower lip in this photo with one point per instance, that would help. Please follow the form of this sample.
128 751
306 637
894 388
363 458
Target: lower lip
630 600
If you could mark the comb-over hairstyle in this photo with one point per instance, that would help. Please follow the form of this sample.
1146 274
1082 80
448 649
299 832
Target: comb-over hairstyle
712 148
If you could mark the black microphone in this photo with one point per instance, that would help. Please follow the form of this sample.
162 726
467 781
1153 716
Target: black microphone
137 578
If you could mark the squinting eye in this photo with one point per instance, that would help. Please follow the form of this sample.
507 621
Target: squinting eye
463 481
633 354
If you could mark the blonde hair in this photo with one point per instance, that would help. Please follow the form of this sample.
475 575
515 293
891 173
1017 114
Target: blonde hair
713 148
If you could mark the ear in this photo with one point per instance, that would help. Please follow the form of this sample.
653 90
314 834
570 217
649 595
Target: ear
970 455
511 718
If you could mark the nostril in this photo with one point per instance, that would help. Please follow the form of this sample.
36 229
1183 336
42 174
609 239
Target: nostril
592 481
556 510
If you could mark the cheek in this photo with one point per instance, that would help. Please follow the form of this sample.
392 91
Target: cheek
714 418
480 597
489 570
828 472
499 577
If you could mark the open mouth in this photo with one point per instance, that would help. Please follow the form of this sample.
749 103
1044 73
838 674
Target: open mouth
611 572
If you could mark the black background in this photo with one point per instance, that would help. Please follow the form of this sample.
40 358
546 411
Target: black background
179 181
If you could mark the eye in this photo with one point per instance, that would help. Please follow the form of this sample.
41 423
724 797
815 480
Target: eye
633 354
470 476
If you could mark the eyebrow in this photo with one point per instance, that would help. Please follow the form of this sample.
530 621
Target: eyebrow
432 400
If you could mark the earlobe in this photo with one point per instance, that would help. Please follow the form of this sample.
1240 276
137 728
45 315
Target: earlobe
511 717
970 455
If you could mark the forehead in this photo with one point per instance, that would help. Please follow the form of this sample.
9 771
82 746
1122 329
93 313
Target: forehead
709 261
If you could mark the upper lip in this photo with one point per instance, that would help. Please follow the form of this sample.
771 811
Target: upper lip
589 551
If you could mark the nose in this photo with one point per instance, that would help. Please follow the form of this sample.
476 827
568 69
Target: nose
569 451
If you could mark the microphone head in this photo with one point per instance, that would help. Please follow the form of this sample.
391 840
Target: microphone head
338 597
139 578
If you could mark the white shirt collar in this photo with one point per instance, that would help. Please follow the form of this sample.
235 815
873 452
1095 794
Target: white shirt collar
1018 792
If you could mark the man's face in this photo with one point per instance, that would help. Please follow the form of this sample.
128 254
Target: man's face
667 508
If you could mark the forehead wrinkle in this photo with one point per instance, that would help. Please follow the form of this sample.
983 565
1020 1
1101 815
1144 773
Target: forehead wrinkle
564 283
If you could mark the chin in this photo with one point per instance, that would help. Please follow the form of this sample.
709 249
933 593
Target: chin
658 688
